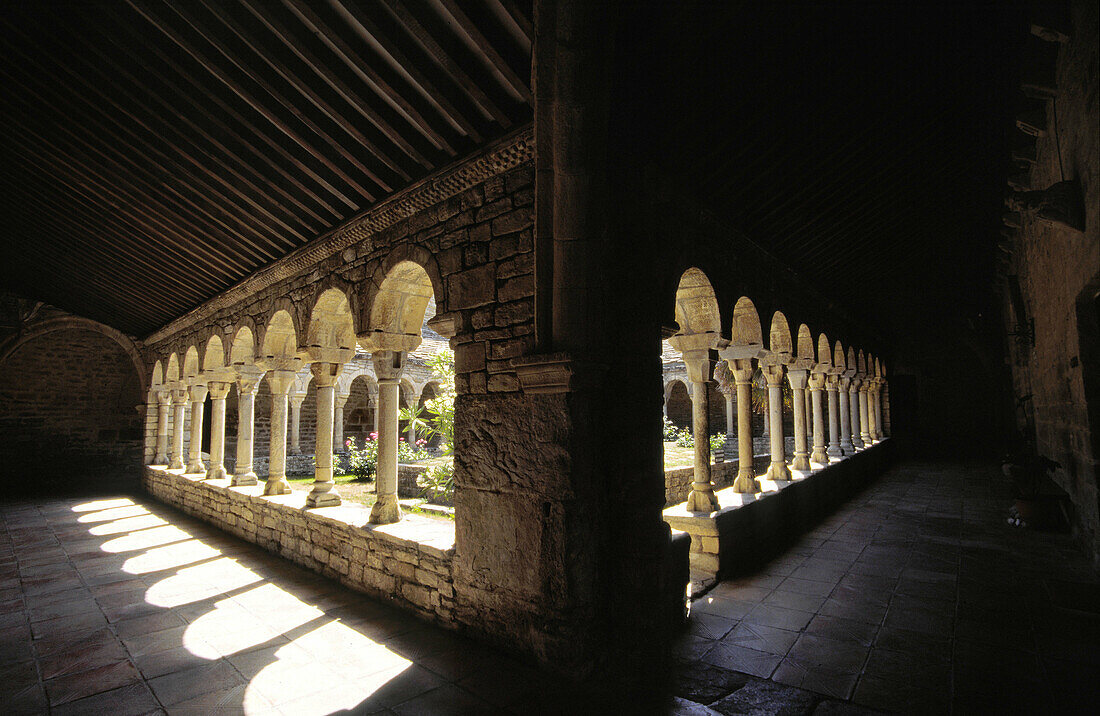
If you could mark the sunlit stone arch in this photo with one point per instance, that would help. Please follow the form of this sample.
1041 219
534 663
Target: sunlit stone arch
824 351
242 350
172 369
213 357
746 330
839 362
398 293
697 305
330 333
805 348
190 363
779 337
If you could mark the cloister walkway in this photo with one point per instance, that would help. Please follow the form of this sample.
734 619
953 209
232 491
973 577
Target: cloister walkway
915 597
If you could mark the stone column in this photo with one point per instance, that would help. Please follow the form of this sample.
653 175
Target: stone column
853 405
295 423
746 473
338 423
194 450
730 413
218 392
864 423
778 469
164 402
324 377
388 366
879 433
699 367
885 422
179 405
809 412
414 403
798 380
280 382
766 431
834 424
846 446
817 383
247 384
872 411
372 402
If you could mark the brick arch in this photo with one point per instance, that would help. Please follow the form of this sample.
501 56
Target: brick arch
61 323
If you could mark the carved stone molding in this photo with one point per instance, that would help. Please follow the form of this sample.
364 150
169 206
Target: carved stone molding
497 158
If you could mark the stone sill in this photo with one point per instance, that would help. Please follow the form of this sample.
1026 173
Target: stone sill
431 536
747 527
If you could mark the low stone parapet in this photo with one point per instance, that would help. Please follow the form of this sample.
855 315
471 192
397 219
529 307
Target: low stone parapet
408 563
750 529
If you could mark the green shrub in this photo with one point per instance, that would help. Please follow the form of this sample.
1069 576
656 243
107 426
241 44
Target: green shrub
438 481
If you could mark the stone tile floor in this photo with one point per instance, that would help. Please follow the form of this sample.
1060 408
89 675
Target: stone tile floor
122 606
915 597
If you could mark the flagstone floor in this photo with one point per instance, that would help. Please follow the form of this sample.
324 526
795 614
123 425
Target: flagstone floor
915 597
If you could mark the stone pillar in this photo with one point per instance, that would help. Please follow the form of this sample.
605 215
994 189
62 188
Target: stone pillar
885 423
730 413
164 403
809 412
218 392
846 446
280 382
864 423
373 403
414 403
194 450
798 380
295 423
872 412
817 383
179 406
766 431
247 384
388 366
323 493
699 367
778 469
834 424
746 473
853 405
879 383
338 423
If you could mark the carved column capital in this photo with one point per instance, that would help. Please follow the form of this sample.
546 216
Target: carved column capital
325 375
218 390
388 365
198 392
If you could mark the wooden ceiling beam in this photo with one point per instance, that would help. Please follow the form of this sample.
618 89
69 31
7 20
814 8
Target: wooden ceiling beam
490 109
303 88
518 86
288 105
426 91
252 130
251 101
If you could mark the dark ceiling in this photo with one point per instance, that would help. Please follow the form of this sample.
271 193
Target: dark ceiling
155 153
866 145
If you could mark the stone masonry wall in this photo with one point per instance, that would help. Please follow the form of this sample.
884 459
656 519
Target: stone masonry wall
413 575
1058 269
71 397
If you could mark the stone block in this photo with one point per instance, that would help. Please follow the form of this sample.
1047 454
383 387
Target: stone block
470 357
516 288
512 222
503 383
474 287
493 209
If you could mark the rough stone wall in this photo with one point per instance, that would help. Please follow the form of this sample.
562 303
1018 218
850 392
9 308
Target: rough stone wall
70 398
412 575
1057 269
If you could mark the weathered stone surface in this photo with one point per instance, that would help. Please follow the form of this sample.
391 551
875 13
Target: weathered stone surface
760 698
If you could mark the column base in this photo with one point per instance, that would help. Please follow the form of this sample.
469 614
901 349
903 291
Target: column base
245 480
801 461
846 447
160 459
294 451
745 483
385 511
701 501
819 456
277 486
328 498
196 468
778 471
834 451
176 465
217 473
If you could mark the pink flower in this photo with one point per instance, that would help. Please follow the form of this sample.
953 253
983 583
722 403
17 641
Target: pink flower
401 439
374 436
